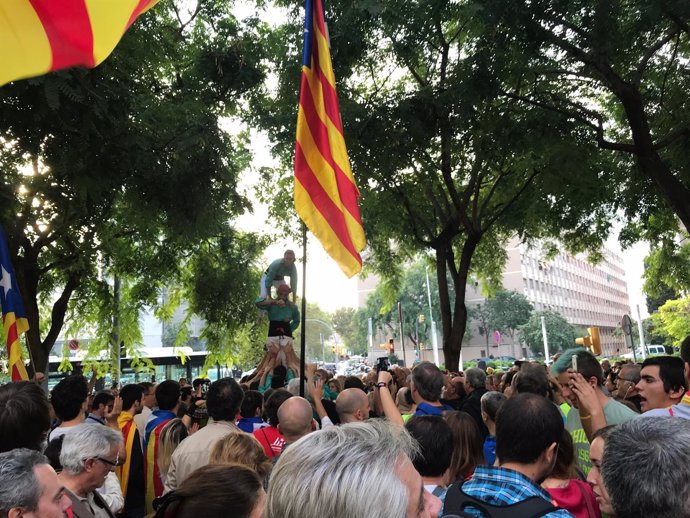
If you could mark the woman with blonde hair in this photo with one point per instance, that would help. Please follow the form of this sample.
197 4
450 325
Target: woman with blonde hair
172 434
244 449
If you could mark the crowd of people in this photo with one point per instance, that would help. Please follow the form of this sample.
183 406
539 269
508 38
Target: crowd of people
579 438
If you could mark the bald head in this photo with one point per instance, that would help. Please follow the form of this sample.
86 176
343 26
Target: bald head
352 405
295 418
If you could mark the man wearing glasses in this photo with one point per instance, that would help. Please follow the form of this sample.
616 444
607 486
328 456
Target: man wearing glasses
628 377
89 453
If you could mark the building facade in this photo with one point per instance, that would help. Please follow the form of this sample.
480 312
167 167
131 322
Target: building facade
585 294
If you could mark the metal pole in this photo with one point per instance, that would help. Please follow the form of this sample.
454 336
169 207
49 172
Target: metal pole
303 334
402 336
546 341
416 337
116 354
323 349
641 333
370 331
434 341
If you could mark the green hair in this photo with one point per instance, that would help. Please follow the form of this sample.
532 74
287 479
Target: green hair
565 361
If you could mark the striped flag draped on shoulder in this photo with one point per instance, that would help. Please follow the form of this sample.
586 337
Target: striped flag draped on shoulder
325 191
14 321
41 36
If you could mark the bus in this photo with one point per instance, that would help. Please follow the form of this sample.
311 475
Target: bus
167 364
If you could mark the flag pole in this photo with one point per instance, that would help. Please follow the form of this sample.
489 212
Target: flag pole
303 334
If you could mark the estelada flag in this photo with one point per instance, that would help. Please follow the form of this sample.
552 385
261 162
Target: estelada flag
40 36
14 321
325 191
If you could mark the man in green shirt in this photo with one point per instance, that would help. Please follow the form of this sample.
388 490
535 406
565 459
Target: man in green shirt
275 275
591 409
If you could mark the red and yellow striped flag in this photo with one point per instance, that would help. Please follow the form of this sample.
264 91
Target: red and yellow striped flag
40 36
14 321
325 191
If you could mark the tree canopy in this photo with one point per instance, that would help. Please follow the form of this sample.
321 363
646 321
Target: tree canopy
561 335
673 320
124 170
446 163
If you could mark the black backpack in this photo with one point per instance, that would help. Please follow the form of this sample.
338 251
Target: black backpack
457 500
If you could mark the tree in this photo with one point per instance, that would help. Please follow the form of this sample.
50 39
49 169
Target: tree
652 334
123 168
318 325
620 68
654 303
345 325
509 310
482 315
561 335
446 166
667 268
673 320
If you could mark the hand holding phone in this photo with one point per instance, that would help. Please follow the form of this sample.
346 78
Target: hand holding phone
574 362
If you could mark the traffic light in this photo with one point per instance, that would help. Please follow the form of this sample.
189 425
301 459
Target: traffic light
333 348
591 342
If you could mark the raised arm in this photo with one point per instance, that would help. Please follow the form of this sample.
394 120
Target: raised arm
390 409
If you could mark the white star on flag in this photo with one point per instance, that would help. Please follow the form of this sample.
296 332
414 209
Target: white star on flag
5 280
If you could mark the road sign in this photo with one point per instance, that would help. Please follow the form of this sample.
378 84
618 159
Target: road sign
626 324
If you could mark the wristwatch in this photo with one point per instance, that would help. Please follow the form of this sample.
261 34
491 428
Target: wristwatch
381 384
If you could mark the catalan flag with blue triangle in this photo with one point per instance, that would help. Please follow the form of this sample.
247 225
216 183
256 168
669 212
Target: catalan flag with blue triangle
14 321
326 196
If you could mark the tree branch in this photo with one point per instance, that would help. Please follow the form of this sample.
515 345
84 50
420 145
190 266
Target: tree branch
672 137
651 51
510 202
598 128
662 94
413 220
491 192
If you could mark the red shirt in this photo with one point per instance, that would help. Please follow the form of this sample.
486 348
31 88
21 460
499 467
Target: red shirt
575 498
271 439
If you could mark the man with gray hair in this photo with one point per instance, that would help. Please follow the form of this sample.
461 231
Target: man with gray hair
627 378
357 469
475 387
29 486
644 468
89 453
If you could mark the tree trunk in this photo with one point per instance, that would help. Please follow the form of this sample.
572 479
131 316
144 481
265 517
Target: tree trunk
27 273
27 279
444 302
452 341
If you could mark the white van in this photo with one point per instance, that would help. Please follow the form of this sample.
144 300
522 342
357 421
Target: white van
652 350
656 349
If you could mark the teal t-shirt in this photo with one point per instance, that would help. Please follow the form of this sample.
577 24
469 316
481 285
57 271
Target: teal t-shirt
615 413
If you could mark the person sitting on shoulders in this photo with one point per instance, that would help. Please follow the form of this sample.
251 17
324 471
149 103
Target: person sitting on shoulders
283 318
